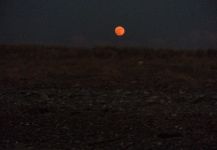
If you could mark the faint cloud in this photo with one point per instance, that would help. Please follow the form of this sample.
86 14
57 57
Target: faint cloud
79 41
196 39
203 39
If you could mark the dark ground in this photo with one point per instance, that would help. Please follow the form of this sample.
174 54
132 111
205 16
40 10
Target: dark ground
107 98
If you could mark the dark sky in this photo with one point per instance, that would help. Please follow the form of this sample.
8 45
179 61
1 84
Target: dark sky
149 23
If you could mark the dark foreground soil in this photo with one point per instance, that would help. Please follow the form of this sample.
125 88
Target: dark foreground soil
107 98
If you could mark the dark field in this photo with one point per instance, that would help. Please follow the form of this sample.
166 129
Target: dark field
54 98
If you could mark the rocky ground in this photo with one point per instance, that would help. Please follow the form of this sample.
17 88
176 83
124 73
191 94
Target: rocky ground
67 99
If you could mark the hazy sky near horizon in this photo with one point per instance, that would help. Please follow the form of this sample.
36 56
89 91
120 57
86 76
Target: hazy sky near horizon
149 23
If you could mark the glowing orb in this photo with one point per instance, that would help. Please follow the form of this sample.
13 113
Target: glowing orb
120 31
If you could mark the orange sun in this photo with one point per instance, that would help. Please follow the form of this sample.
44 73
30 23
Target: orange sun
120 31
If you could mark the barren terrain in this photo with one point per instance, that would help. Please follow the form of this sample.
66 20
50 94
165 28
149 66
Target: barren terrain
54 98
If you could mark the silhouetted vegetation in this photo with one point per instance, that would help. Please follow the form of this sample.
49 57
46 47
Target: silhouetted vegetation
108 66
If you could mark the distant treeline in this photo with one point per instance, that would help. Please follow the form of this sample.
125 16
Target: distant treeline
108 51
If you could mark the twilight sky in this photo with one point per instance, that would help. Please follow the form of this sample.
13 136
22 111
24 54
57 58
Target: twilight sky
149 23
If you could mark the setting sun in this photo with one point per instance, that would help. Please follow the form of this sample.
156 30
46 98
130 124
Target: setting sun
120 31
